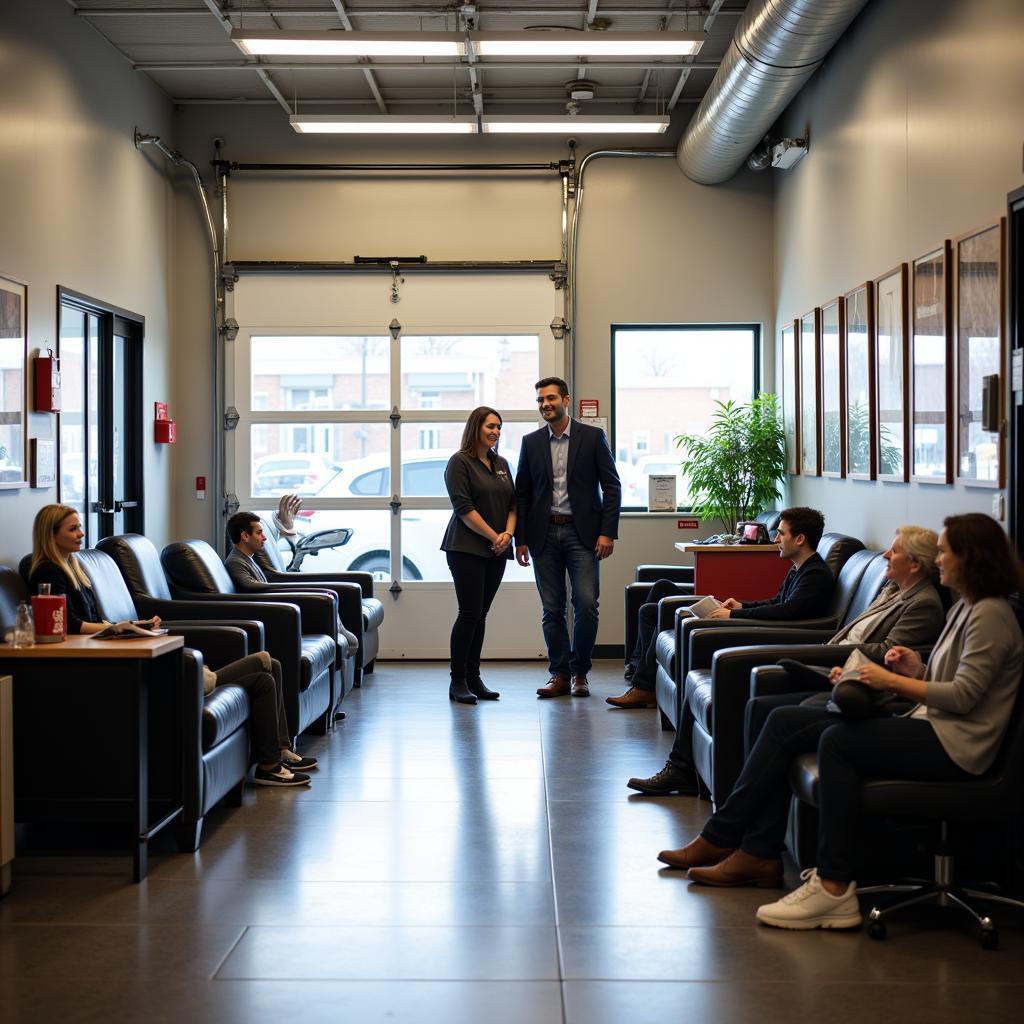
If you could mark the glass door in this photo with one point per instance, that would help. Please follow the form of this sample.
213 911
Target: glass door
100 424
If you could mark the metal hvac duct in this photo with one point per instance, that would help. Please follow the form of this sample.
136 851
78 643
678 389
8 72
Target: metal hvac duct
778 45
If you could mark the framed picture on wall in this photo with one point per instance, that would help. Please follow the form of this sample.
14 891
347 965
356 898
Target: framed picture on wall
931 368
810 388
833 391
858 310
43 451
13 360
980 314
790 398
891 373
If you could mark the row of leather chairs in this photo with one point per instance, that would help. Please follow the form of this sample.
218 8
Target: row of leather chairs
189 588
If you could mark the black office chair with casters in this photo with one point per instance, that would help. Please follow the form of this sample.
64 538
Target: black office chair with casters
996 796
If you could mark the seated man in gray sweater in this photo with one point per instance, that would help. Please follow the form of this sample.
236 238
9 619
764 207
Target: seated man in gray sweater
907 613
245 530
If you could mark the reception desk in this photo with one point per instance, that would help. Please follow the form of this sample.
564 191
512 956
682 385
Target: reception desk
747 572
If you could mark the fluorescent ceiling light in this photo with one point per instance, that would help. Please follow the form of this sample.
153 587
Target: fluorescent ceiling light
328 124
587 44
566 124
349 44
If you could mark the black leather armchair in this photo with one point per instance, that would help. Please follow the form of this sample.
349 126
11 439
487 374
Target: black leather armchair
716 698
842 554
361 612
302 634
996 796
143 573
682 575
214 743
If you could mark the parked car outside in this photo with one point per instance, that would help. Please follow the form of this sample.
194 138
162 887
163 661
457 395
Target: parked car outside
292 473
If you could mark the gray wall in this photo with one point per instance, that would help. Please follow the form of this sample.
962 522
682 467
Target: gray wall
83 209
916 129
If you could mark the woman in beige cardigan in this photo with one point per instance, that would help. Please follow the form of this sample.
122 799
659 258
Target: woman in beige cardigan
965 696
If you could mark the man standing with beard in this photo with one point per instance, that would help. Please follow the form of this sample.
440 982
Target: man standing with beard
568 497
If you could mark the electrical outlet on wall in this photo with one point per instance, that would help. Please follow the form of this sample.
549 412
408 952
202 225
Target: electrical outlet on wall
998 506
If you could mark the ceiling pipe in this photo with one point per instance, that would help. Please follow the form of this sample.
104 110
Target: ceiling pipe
778 45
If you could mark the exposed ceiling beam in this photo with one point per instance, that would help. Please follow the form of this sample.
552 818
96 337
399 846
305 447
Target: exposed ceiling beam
265 78
392 12
714 11
566 64
371 81
437 101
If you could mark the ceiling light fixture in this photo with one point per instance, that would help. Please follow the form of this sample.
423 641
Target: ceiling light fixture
335 43
587 44
567 124
329 124
349 44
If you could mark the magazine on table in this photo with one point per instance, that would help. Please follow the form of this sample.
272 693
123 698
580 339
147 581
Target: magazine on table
701 609
140 630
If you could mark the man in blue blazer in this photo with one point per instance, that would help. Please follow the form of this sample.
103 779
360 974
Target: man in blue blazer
568 497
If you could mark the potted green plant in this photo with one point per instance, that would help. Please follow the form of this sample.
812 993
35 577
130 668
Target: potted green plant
734 469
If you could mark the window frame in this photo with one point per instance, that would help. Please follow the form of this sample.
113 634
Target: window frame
756 376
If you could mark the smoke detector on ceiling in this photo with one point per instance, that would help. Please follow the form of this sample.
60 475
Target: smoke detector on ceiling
580 89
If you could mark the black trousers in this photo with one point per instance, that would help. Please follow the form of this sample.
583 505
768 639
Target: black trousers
755 815
476 580
645 649
268 725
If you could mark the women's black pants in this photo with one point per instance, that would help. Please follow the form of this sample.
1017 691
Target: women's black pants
476 581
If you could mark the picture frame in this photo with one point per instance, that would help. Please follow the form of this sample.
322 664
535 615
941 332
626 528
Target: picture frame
13 390
810 389
891 393
833 390
980 303
931 367
859 330
43 460
790 398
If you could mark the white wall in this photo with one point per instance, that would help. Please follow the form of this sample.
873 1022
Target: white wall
81 208
916 129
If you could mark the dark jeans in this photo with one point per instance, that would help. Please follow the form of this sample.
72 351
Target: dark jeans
645 649
476 581
563 552
755 815
268 725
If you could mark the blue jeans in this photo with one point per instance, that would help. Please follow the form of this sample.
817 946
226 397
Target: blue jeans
564 553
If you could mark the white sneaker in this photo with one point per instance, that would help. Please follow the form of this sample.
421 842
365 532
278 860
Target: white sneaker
811 906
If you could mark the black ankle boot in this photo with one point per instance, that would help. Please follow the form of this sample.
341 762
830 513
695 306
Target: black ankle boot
457 690
478 688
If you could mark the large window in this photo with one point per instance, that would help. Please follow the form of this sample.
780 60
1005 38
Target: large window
666 381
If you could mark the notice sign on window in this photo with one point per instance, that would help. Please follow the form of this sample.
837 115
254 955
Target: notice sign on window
661 493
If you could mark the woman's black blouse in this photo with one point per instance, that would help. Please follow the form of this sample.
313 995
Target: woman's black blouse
81 602
489 491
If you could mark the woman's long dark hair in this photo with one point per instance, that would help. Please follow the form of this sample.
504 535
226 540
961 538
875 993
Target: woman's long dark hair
473 425
989 566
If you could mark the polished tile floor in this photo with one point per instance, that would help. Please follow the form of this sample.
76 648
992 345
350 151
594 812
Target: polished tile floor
457 864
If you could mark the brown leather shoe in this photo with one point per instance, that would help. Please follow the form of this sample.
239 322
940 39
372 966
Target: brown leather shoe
580 686
694 855
557 686
634 697
741 868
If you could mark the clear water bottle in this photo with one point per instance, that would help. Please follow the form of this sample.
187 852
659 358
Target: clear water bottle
24 626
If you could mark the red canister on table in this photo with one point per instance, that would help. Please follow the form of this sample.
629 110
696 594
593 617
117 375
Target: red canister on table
50 612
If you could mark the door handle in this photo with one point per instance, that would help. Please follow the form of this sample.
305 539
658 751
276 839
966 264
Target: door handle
97 506
121 505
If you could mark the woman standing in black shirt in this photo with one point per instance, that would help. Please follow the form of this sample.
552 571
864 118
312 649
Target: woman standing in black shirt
477 543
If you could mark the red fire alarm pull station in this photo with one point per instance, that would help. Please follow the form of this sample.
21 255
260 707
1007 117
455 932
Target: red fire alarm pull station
46 382
164 428
201 487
